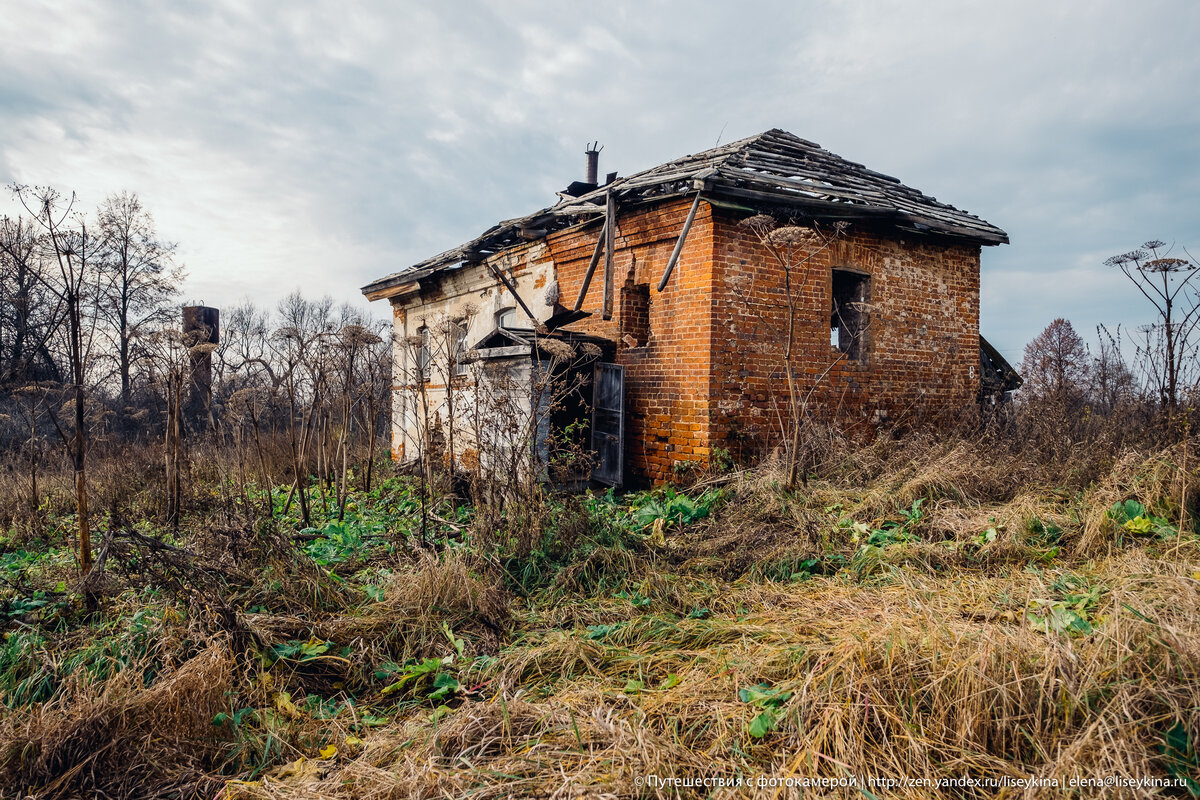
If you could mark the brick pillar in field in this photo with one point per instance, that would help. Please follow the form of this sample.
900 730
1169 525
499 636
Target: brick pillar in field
201 330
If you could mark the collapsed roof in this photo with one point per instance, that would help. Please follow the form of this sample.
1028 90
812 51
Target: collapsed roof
772 169
996 374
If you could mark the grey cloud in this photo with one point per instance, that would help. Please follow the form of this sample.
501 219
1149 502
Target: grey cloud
321 146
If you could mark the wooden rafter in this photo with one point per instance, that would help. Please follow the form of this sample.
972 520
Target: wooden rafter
591 270
610 240
687 226
509 285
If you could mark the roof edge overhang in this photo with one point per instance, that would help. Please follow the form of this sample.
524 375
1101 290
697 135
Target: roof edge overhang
397 285
827 210
383 290
1008 379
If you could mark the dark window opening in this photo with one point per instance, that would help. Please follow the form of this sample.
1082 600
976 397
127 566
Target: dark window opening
458 337
848 315
424 354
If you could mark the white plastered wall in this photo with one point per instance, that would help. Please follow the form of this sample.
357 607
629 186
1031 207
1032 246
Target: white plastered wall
474 295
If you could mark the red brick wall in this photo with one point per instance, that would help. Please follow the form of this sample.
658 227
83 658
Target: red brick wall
922 346
667 383
707 368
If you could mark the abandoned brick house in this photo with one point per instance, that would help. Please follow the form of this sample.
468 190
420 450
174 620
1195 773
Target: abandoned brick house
680 290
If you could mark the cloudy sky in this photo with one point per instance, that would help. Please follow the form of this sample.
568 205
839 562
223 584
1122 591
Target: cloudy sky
319 146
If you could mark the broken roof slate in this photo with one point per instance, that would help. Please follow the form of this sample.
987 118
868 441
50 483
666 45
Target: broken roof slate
775 167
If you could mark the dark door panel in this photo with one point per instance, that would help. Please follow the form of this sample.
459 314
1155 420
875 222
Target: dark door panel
608 423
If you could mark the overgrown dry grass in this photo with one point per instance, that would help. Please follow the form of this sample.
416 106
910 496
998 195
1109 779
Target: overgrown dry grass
119 738
932 611
925 677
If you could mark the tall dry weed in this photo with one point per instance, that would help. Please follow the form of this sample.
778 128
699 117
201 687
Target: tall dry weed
119 738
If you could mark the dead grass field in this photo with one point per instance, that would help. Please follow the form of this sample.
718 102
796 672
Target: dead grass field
922 612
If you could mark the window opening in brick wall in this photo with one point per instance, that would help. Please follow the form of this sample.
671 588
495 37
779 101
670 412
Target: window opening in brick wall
635 314
848 315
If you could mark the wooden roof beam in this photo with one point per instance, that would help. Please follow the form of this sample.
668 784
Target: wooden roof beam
687 226
610 241
509 285
591 270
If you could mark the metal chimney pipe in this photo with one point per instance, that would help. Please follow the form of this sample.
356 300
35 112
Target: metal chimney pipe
593 162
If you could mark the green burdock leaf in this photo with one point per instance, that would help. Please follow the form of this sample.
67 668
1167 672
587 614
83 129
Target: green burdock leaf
763 724
763 696
1057 617
1140 525
313 648
1123 512
601 632
413 674
444 685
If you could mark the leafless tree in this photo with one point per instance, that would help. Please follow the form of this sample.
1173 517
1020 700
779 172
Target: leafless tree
1111 384
169 351
246 409
1055 364
30 311
70 245
355 344
240 360
373 388
138 279
31 405
301 349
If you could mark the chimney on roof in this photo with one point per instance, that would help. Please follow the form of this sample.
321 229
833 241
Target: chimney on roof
593 162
